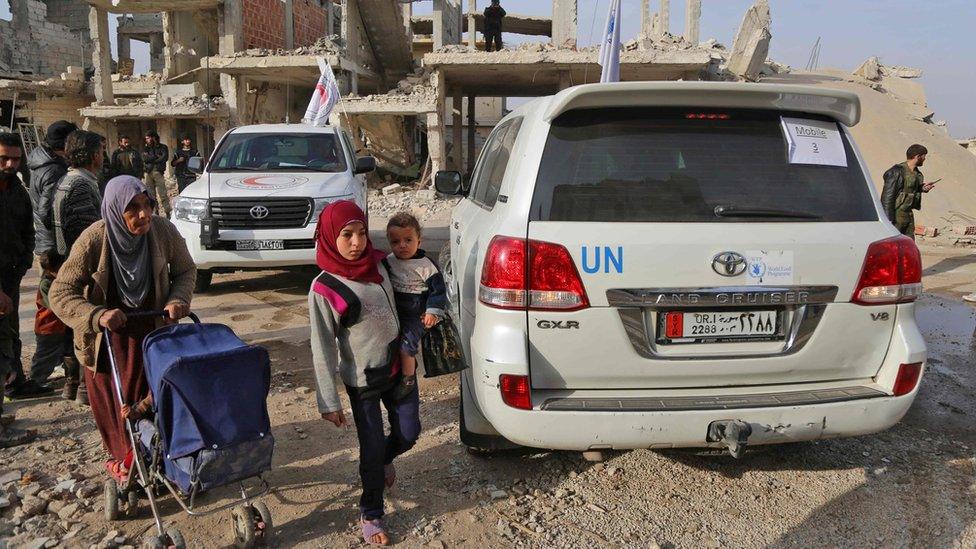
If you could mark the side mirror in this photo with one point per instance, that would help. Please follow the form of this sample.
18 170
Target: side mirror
195 165
364 164
448 182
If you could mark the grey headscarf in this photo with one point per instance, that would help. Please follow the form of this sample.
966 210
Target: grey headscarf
130 253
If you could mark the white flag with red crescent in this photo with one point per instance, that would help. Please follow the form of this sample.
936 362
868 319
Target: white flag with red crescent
324 98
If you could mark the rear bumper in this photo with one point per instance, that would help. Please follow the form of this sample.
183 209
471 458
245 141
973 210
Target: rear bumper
591 430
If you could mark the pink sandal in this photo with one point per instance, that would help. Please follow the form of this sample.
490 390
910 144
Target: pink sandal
372 528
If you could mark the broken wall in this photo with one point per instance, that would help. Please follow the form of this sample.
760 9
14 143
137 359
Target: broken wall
44 111
311 21
751 46
354 35
70 13
447 22
264 23
31 44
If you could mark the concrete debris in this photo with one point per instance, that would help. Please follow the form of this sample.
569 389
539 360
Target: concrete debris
323 46
968 144
751 45
390 189
872 69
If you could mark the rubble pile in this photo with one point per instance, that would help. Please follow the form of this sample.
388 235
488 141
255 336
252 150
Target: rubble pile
425 204
325 45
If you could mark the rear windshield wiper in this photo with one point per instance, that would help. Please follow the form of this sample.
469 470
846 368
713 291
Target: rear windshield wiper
733 211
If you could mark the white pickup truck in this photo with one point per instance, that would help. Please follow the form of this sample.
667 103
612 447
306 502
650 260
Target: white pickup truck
255 204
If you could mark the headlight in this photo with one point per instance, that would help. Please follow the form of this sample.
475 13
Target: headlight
189 209
321 203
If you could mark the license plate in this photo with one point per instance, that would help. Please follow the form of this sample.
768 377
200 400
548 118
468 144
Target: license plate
244 245
711 325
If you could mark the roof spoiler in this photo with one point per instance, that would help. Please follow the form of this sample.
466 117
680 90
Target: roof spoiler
843 106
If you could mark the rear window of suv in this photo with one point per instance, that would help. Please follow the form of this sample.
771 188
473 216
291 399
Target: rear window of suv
661 165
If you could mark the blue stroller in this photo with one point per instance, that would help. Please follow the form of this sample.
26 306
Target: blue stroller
211 428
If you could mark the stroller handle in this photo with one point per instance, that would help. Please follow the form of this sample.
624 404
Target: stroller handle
153 314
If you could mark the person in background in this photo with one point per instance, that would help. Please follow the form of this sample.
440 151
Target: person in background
154 158
126 160
180 159
903 188
48 167
129 261
16 258
493 25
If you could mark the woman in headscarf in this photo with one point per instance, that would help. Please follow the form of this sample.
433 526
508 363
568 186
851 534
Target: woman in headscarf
129 261
355 331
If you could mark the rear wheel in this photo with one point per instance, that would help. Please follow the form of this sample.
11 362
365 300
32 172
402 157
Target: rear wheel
243 526
204 279
131 504
175 539
263 524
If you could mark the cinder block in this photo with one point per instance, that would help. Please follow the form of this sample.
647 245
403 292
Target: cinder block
390 189
930 232
965 230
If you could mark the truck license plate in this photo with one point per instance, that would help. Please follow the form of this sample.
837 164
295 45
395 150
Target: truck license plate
245 245
720 325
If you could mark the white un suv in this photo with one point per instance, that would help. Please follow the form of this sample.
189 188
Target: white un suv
256 203
656 265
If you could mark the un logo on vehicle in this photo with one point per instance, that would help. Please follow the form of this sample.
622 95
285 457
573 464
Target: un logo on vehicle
729 264
259 212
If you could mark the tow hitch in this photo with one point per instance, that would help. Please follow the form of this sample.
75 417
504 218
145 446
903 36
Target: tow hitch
732 433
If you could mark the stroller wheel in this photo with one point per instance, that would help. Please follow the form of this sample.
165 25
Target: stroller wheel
243 526
131 504
175 539
263 524
111 500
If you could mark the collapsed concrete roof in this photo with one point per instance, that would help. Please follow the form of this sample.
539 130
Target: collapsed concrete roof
524 73
300 70
154 6
141 111
50 86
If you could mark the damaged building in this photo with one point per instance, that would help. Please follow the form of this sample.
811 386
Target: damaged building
418 92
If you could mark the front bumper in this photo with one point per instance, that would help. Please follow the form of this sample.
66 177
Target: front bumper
220 259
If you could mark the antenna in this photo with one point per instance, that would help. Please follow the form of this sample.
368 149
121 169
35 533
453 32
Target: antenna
814 61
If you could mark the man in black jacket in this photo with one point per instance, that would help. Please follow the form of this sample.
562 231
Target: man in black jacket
180 159
126 160
16 257
47 166
903 188
493 25
155 155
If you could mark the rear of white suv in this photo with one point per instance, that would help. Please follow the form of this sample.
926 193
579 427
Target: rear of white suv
669 265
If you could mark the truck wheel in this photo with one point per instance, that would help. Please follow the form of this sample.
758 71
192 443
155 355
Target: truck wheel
204 279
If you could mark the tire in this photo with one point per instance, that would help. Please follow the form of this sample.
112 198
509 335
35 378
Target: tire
265 526
111 490
131 504
204 279
175 538
243 527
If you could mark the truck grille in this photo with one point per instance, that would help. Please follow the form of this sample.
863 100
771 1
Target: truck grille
263 213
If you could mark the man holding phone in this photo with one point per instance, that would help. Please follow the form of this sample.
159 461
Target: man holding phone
903 188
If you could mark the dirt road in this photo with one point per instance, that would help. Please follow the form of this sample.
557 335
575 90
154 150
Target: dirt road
911 486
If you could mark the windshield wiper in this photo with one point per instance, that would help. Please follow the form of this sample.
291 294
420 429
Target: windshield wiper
733 211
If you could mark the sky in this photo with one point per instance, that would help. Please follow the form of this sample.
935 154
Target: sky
933 36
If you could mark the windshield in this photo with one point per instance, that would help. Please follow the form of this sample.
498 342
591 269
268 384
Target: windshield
318 152
666 165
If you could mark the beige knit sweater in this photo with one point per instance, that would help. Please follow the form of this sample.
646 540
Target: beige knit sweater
78 293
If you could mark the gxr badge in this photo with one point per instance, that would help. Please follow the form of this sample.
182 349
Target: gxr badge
558 324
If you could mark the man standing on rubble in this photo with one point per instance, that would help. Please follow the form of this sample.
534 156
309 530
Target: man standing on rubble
903 188
126 160
493 25
155 155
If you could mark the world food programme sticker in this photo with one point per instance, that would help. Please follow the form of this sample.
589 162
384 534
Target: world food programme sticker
769 267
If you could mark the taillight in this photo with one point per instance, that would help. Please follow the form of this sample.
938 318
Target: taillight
907 378
515 391
892 273
542 277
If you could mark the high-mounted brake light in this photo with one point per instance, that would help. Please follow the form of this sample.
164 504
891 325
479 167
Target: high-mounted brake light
520 274
892 273
515 391
707 116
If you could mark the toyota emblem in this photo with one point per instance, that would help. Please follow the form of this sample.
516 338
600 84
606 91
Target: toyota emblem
729 264
259 212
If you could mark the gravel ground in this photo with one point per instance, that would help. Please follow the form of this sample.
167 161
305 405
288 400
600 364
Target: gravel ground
911 486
